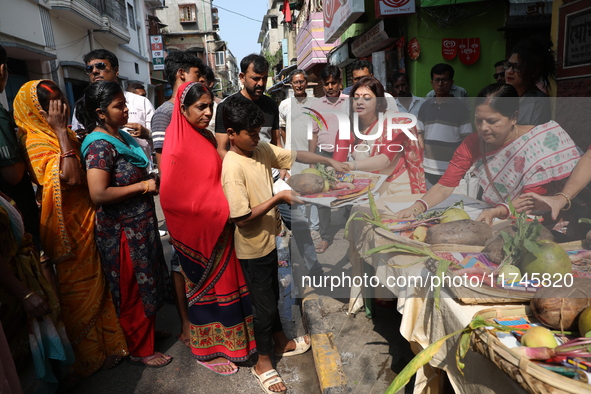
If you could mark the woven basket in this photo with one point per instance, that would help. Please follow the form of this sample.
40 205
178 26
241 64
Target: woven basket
484 294
533 378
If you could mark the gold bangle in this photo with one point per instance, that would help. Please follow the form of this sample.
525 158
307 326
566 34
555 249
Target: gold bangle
31 294
147 187
567 200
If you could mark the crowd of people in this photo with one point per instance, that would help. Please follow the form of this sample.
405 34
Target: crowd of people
81 257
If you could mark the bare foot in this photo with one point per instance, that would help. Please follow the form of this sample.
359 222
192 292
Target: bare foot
111 361
263 366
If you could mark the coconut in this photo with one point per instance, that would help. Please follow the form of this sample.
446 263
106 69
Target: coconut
539 337
453 214
585 321
552 259
306 183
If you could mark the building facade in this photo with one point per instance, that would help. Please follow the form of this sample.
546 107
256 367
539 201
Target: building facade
194 27
58 33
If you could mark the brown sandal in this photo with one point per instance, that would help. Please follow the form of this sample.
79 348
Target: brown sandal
322 246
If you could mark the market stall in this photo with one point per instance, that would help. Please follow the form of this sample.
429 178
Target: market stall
423 323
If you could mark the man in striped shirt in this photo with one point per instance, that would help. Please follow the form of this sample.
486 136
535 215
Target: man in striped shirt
444 122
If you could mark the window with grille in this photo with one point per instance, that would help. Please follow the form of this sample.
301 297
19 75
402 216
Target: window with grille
188 13
220 58
131 16
273 22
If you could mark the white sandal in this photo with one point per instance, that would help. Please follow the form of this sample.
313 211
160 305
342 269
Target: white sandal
301 347
265 382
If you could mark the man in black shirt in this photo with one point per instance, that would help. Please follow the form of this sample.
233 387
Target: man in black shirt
254 71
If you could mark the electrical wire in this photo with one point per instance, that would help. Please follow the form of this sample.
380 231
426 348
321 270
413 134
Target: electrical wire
233 12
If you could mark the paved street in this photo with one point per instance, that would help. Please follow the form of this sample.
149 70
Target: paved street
184 375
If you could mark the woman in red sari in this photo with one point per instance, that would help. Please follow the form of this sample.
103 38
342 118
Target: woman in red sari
197 212
399 157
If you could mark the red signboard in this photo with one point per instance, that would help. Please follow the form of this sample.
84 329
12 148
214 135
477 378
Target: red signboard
387 8
414 48
449 48
469 50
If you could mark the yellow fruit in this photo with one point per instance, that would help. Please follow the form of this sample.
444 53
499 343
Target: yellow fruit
585 321
326 185
453 214
511 274
311 171
420 233
539 337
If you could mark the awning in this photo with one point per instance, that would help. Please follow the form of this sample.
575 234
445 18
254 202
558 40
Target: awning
373 40
276 88
286 70
25 52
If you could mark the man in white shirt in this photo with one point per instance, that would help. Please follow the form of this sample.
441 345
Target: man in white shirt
406 101
103 65
290 117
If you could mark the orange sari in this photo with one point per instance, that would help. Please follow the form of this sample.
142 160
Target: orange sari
67 236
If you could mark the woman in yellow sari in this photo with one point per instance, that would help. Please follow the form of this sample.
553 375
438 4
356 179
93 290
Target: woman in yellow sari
67 227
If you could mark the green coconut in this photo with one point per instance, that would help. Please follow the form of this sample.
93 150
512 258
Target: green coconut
552 259
585 321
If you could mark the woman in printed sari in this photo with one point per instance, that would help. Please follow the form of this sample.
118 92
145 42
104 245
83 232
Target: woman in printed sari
517 158
67 228
197 213
30 310
399 157
126 225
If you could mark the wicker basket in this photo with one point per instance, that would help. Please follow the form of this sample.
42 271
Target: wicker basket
483 294
531 377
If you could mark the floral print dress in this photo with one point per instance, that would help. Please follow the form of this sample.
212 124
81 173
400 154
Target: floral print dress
134 218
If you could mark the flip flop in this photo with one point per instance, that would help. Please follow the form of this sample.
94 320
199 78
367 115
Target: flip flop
265 380
143 361
301 347
210 367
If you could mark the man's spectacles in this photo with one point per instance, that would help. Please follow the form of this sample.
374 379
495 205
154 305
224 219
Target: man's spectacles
497 75
99 66
298 82
515 66
441 80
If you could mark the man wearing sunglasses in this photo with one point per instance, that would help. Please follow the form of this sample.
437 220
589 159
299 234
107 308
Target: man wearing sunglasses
499 74
103 65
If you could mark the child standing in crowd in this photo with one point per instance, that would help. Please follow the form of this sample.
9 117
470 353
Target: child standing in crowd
126 226
247 183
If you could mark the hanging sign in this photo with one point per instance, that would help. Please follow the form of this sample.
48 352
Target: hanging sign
414 48
157 47
339 15
469 50
386 8
449 48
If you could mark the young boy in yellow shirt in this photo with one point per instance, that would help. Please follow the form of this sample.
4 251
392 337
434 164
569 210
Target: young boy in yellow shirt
248 185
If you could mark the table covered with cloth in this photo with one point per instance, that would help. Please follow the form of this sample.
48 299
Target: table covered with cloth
422 324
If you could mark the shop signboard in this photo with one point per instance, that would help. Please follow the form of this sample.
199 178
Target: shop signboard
574 40
339 15
157 48
341 56
373 40
386 8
